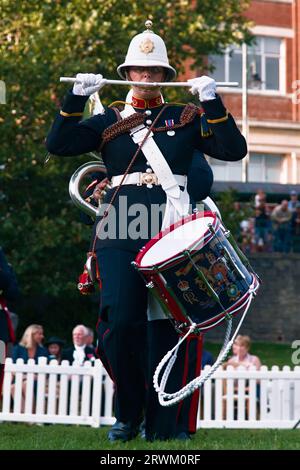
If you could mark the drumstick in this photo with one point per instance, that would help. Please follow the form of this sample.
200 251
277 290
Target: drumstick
151 84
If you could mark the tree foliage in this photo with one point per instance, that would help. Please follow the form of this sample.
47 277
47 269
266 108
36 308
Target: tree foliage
39 42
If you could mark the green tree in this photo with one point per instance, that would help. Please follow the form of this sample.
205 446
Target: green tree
40 41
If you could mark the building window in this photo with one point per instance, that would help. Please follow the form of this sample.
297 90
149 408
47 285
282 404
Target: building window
263 168
226 171
263 64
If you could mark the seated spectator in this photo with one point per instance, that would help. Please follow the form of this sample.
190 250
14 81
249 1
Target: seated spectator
90 338
80 351
241 355
281 217
54 346
30 346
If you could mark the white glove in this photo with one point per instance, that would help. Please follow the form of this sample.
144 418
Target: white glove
204 86
88 83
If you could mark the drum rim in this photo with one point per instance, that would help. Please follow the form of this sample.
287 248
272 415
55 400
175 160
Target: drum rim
216 223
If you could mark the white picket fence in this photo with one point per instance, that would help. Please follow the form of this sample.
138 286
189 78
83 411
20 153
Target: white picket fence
65 394
73 394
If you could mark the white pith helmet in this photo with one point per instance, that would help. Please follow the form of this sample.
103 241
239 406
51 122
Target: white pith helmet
147 49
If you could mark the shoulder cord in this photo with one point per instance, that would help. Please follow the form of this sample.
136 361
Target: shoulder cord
125 125
124 176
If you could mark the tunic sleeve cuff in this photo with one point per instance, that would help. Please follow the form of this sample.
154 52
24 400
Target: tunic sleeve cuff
215 111
73 105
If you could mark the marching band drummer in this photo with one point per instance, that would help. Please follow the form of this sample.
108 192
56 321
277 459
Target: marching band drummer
147 149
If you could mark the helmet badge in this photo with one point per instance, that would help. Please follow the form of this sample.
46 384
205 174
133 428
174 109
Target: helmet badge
147 46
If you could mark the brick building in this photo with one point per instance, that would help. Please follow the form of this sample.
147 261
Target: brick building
273 96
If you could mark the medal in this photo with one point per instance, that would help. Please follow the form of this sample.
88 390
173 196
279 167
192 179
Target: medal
169 124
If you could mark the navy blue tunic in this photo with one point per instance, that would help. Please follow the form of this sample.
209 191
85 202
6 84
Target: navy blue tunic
71 136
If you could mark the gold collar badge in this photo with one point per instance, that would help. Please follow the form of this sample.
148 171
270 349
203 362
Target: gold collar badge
147 46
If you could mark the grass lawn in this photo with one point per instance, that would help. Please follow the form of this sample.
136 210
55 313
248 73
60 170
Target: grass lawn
60 437
270 354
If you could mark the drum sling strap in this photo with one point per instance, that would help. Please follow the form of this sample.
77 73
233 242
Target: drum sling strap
177 201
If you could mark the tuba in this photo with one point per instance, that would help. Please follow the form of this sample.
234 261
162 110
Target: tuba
75 187
90 275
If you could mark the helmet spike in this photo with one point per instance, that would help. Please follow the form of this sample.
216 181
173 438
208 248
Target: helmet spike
148 25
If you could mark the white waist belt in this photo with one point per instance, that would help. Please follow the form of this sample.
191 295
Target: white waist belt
140 178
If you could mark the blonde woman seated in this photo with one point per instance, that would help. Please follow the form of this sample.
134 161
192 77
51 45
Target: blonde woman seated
30 347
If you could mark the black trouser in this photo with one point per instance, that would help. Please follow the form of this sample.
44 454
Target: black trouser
131 353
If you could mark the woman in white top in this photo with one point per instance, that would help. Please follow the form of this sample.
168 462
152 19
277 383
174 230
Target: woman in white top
241 356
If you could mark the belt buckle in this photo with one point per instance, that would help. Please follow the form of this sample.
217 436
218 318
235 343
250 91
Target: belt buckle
148 178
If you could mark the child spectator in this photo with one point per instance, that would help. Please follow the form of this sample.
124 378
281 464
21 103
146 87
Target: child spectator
241 355
54 346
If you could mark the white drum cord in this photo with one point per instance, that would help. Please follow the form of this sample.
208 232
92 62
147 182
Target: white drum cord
169 399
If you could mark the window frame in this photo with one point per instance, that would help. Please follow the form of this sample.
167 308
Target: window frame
281 64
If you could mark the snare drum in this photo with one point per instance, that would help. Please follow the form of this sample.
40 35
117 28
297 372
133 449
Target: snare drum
195 272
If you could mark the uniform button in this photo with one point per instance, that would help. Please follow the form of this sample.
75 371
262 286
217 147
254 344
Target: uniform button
149 186
148 112
148 122
149 170
147 163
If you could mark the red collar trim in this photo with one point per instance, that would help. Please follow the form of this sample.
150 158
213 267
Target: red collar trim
144 104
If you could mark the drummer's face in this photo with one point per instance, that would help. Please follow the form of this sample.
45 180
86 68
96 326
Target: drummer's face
146 75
